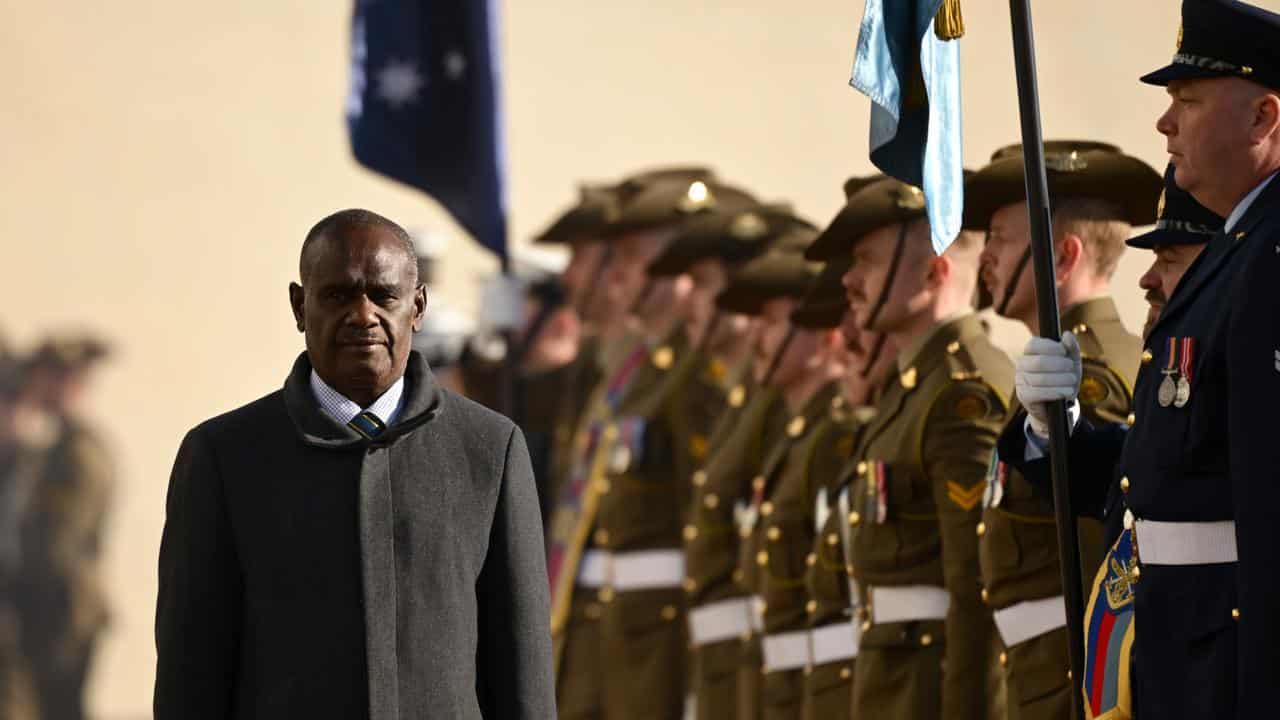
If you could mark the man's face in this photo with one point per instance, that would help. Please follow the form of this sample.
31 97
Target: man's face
581 271
774 324
1206 127
359 310
866 280
1163 276
1007 242
707 278
626 274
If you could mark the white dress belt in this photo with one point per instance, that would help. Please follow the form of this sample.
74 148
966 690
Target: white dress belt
718 621
786 651
1026 620
639 570
1185 543
834 642
903 603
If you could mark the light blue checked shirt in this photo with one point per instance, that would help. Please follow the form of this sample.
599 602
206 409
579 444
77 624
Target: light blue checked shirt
341 410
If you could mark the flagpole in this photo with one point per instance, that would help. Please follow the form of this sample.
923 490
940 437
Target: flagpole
1050 327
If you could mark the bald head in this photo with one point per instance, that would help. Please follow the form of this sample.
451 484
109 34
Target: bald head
346 222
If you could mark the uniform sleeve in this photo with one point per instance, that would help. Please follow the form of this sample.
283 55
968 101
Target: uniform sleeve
1253 360
1093 452
959 438
198 609
514 677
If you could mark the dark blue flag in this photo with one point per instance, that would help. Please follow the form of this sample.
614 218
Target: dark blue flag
423 105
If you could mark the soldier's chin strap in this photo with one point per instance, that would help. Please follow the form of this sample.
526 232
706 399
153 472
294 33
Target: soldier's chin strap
1013 282
777 355
873 356
898 249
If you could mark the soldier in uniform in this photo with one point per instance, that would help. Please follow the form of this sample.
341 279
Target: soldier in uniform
23 445
615 559
918 472
1097 195
60 600
776 528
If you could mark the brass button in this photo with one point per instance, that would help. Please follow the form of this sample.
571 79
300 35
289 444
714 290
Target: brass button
711 500
757 483
854 519
953 347
795 428
766 509
845 673
811 607
926 640
700 478
833 539
690 585
774 533
593 611
1133 418
986 596
1124 483
1147 357
690 532
600 537
762 558
1235 613
981 529
848 569
663 357
1004 659
1081 328
669 612
866 625
810 560
737 396
605 595
862 467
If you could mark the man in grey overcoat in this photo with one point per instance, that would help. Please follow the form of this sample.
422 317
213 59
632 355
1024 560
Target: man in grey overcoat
361 543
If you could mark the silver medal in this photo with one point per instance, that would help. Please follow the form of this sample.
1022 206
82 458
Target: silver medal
1183 395
1168 391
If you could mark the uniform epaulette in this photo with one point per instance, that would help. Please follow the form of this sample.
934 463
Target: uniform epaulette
1090 345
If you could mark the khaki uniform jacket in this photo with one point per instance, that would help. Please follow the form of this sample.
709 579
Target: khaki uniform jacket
918 483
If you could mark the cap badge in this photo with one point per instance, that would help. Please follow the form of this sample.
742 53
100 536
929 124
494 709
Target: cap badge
908 197
1160 206
697 197
748 227
1179 48
1066 162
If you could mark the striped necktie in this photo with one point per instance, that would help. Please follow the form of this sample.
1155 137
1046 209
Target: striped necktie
367 424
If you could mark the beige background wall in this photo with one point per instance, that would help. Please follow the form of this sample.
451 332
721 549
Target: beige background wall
161 160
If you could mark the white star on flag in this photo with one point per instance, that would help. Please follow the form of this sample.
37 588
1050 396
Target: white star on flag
455 64
399 83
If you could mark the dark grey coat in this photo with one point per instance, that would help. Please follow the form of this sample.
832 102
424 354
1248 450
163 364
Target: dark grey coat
308 573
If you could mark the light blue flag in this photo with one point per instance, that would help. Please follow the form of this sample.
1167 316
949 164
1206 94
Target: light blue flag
913 80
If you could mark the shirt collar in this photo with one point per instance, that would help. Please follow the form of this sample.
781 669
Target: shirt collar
1243 206
907 357
341 409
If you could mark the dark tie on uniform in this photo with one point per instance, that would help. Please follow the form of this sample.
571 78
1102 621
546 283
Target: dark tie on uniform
367 424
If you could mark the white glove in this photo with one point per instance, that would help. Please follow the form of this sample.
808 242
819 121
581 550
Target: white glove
502 303
1047 371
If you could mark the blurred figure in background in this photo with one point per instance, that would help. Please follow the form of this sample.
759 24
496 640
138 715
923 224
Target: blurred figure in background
57 487
445 330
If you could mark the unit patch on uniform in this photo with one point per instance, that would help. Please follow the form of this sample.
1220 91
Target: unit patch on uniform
971 407
967 498
1093 390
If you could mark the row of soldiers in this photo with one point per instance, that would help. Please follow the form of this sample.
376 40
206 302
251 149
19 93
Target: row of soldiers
56 484
772 482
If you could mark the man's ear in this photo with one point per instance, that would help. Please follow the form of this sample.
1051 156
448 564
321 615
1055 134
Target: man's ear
419 306
1266 118
1070 253
296 299
940 269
